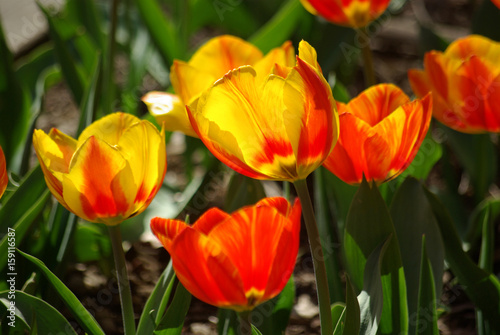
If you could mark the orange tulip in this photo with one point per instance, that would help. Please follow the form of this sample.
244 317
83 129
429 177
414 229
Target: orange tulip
111 173
4 178
465 84
496 2
279 127
350 13
236 260
380 133
214 59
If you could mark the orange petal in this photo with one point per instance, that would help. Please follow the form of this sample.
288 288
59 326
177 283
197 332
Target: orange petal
475 45
208 220
4 178
251 242
206 271
166 230
169 109
99 186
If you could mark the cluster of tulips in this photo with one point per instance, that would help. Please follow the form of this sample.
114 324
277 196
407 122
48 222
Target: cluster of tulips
268 117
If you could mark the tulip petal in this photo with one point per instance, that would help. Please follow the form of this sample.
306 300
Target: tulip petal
189 82
262 144
308 97
4 178
109 128
250 236
99 186
206 271
284 56
54 152
475 45
166 230
169 108
224 53
208 220
143 147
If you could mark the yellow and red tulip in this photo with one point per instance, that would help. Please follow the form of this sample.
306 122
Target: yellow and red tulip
111 173
280 127
380 133
236 260
4 178
209 63
465 84
350 13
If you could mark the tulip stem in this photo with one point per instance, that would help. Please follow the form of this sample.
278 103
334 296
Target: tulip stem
368 67
317 256
245 324
122 278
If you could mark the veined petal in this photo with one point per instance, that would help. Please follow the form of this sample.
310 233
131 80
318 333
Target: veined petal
189 82
284 56
234 100
4 178
143 147
170 109
210 219
109 128
54 152
308 97
475 45
339 163
99 186
166 230
377 103
251 243
224 53
206 271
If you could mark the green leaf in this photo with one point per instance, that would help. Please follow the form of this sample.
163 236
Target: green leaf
60 32
255 331
34 311
85 13
329 235
162 31
14 109
273 315
489 206
352 311
426 320
90 244
413 218
173 320
368 225
372 297
338 317
280 27
243 191
478 156
153 304
428 155
84 318
482 287
228 322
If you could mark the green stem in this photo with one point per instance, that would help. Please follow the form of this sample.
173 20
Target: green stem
122 278
368 67
245 324
317 256
108 71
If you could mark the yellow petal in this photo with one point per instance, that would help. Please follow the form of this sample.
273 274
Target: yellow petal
476 45
143 147
189 82
109 128
99 186
169 108
284 56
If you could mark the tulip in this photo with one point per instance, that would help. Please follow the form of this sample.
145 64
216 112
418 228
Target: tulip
496 2
380 133
350 13
214 59
4 178
465 84
236 260
111 173
280 128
